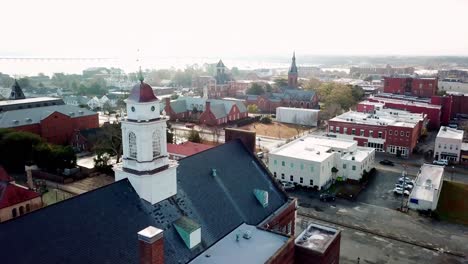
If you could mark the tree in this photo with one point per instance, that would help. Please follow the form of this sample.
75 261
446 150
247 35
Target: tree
281 82
357 92
312 84
16 148
24 82
256 89
194 136
265 120
268 88
252 108
110 141
169 133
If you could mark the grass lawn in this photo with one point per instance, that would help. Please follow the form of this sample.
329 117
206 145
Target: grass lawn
453 205
277 130
54 196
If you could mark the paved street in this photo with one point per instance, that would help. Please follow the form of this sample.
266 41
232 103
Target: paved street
371 248
375 211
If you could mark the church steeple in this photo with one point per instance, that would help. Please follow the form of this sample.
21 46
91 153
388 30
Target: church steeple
292 73
16 92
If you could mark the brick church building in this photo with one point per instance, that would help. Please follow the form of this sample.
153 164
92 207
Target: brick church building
289 96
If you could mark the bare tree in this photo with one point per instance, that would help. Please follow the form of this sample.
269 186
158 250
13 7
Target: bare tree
110 141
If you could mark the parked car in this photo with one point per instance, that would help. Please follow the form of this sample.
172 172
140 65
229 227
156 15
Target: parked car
327 197
387 162
400 191
406 182
408 187
441 162
287 186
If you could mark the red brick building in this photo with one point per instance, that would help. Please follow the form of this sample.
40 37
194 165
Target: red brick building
289 96
221 85
421 87
55 124
386 130
205 111
433 111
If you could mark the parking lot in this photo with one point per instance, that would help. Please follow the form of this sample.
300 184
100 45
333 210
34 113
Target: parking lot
379 191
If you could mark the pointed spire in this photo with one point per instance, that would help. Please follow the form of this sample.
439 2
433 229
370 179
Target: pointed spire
140 75
293 68
16 92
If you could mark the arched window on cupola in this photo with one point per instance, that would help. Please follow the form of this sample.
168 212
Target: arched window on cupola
132 145
156 144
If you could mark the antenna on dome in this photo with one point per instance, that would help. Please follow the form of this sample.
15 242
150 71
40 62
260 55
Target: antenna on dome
140 73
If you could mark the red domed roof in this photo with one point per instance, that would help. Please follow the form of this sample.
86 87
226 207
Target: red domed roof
142 93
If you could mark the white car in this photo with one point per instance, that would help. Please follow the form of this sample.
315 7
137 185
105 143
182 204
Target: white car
407 179
400 191
408 187
440 162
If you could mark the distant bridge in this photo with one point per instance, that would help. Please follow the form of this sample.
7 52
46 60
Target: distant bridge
51 59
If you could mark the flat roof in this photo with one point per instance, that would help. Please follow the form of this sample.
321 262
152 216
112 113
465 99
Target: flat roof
313 148
448 132
359 154
429 179
382 117
28 100
257 249
317 237
404 97
406 102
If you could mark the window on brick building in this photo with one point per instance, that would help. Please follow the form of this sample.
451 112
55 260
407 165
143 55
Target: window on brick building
361 132
402 133
407 134
332 128
311 182
291 178
282 176
390 132
396 132
337 129
371 133
301 180
345 130
380 134
353 131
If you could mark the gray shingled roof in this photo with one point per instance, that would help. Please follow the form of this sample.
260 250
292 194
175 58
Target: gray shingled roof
220 108
22 117
101 226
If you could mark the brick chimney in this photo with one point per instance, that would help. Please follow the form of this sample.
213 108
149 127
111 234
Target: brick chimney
168 101
151 245
208 106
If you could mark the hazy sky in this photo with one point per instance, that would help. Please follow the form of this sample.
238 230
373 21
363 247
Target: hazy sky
113 28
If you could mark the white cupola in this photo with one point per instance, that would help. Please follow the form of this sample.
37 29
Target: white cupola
145 160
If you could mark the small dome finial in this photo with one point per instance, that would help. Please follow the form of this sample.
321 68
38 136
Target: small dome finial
140 75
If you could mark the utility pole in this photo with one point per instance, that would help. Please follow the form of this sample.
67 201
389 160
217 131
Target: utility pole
403 174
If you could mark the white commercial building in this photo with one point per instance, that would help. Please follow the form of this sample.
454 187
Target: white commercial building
297 116
453 86
448 144
315 161
426 191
